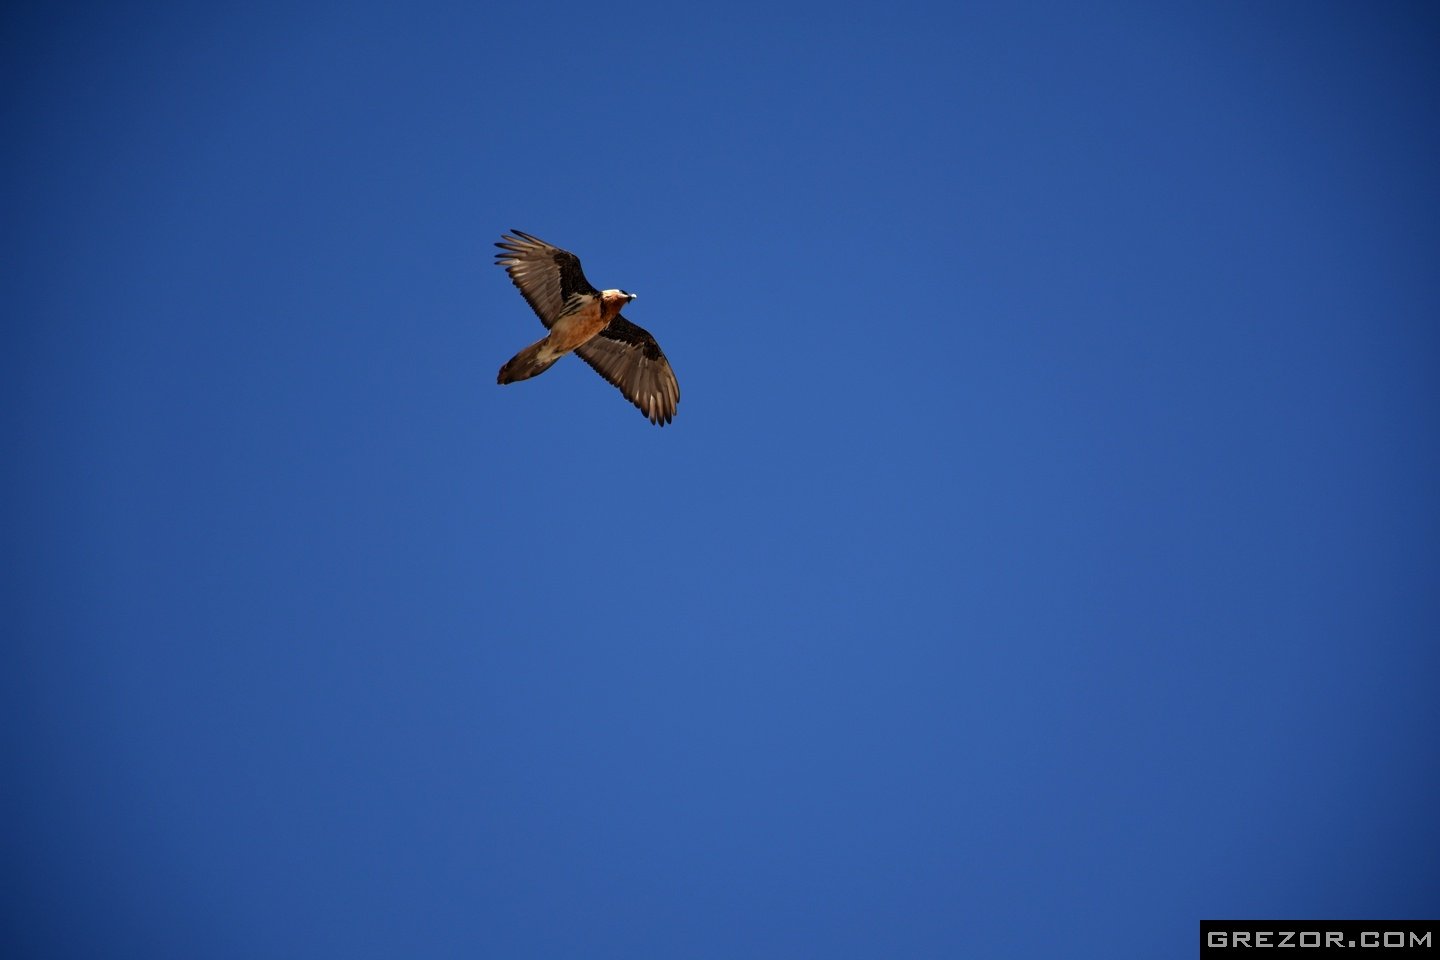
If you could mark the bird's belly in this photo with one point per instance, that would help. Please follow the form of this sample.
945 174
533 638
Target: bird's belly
576 329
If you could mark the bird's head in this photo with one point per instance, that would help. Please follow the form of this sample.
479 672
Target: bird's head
612 302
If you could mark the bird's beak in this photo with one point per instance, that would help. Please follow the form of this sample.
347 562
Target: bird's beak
632 296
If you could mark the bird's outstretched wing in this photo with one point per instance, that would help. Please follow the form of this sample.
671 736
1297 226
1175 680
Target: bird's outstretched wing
630 359
546 276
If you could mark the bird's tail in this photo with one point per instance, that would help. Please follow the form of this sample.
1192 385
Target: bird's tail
532 361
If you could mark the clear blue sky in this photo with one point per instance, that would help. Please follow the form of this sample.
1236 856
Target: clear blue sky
1045 556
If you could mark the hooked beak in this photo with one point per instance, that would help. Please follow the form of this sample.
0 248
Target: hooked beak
631 296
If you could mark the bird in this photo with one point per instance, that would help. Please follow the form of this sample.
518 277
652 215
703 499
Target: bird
587 321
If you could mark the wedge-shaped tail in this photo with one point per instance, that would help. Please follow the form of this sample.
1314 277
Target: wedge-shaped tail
530 362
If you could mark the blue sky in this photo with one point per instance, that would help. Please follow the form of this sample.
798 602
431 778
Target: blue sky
1045 555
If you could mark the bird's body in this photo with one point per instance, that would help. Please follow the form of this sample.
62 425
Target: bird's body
569 331
587 322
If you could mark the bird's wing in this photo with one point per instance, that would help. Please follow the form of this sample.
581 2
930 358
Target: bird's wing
630 359
547 277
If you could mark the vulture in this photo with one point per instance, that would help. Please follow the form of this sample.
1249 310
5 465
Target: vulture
587 321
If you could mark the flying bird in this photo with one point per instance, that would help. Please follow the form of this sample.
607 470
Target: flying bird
587 321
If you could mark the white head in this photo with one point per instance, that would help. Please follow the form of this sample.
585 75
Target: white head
612 302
